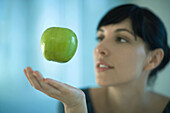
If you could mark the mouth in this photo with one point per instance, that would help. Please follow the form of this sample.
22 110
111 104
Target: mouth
101 66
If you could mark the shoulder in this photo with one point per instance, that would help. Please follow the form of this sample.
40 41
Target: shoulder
96 96
159 96
161 101
167 104
91 92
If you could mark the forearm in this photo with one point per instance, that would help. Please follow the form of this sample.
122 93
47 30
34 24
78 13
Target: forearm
80 108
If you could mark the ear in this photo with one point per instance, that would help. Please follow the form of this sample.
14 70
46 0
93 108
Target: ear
155 57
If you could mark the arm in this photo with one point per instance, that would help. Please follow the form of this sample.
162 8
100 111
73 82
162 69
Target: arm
72 98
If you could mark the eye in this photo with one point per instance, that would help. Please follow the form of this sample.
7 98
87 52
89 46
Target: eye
99 39
122 40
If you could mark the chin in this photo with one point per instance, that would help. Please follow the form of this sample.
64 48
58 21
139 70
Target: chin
107 84
102 83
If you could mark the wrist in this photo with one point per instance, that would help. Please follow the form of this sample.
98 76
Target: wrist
77 108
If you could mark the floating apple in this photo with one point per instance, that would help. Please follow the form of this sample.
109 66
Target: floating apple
58 44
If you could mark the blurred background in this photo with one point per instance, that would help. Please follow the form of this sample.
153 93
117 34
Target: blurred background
22 23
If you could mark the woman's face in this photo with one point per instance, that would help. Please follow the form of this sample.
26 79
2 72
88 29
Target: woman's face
119 56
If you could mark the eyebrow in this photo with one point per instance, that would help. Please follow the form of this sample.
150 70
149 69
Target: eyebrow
121 29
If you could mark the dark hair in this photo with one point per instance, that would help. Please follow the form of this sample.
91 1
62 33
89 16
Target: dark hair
146 25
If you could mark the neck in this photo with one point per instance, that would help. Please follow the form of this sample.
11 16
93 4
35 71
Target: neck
130 95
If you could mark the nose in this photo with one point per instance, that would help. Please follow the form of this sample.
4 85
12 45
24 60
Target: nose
101 51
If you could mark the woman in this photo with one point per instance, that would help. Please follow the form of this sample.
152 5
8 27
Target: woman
132 48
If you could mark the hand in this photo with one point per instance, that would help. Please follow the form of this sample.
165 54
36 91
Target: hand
67 94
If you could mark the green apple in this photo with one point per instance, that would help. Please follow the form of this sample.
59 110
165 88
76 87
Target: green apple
58 44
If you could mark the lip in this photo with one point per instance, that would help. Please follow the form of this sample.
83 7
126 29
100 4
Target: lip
101 69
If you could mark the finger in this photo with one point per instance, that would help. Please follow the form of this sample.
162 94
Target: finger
53 90
40 80
32 79
56 84
25 71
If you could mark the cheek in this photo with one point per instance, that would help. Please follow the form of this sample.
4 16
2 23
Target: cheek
140 57
131 61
